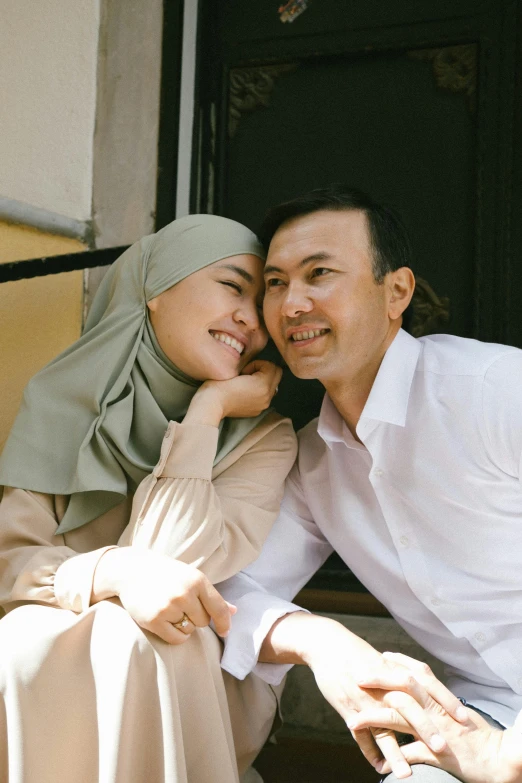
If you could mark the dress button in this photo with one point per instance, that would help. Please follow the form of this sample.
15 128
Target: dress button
480 637
378 472
436 601
404 540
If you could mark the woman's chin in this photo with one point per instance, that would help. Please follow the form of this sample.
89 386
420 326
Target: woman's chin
222 373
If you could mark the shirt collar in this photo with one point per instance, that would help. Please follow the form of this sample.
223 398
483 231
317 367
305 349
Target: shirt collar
388 399
389 396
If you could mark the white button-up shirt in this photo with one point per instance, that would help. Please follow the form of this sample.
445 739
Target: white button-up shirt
426 511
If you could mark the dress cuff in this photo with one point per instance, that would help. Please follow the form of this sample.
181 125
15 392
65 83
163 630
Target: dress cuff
256 614
74 579
188 451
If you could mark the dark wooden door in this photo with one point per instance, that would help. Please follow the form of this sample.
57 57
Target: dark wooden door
416 101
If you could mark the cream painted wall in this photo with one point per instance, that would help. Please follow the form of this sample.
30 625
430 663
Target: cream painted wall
48 62
38 317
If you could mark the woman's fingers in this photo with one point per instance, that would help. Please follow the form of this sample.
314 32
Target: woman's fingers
438 692
271 372
392 753
194 610
216 606
168 633
377 745
368 746
414 753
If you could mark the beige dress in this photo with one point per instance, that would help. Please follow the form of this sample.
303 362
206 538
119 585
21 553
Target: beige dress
87 695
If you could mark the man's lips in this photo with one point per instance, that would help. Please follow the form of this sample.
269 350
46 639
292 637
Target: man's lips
301 336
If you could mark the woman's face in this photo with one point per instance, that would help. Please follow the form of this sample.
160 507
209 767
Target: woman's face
210 324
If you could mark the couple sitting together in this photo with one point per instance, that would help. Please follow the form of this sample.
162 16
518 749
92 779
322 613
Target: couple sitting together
145 499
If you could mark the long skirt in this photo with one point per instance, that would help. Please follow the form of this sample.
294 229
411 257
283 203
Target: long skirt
93 698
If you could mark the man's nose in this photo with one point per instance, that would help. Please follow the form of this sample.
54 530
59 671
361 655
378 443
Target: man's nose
296 301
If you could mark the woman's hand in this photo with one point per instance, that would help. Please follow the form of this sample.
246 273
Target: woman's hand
158 591
475 752
245 395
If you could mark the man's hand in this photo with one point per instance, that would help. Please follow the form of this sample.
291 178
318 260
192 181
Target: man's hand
475 751
340 662
158 591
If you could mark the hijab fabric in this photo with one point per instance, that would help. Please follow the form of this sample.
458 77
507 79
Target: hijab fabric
91 423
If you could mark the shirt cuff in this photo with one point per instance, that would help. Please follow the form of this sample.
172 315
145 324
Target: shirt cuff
188 451
256 614
74 579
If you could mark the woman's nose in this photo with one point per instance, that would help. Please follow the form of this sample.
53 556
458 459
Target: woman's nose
248 315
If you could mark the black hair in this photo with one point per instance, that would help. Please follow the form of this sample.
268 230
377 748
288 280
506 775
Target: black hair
389 239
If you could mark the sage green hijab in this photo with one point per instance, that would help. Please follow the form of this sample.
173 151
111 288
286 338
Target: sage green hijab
91 423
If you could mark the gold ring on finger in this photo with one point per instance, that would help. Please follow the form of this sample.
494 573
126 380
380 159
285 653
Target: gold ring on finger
181 624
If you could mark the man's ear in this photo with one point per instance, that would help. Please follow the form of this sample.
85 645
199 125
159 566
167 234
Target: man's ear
401 285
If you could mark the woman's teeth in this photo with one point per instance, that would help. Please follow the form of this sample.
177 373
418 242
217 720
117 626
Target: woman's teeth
225 338
308 335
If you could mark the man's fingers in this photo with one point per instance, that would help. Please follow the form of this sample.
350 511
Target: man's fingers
385 717
410 720
216 606
389 747
396 678
438 692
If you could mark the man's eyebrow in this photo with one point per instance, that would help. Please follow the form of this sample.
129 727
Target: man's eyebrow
321 256
240 271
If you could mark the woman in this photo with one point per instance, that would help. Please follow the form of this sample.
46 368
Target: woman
115 523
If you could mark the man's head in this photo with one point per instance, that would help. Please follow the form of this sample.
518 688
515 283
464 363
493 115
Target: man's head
338 265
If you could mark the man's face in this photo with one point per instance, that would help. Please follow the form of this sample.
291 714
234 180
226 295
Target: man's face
326 313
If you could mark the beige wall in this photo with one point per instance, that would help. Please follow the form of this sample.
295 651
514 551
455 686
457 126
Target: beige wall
48 62
38 317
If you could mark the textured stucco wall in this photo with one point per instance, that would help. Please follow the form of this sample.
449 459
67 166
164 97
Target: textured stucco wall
38 317
48 62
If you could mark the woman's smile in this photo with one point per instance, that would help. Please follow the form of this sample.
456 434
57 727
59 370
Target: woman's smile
228 341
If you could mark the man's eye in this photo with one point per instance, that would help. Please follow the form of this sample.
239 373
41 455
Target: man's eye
320 271
273 282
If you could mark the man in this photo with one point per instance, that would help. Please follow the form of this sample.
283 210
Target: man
412 474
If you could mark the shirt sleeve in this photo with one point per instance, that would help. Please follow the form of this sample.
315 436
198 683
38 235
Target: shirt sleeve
501 414
263 592
35 564
218 524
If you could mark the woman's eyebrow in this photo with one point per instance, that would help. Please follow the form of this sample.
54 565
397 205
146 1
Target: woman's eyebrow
240 271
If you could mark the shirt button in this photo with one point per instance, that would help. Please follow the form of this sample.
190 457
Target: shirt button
519 682
404 540
436 602
480 637
378 472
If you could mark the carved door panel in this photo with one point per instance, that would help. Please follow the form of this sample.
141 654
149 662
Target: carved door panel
411 100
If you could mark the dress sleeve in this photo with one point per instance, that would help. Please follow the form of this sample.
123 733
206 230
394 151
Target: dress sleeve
35 564
218 523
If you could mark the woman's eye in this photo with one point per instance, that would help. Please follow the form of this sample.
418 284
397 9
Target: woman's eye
273 282
320 271
235 286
